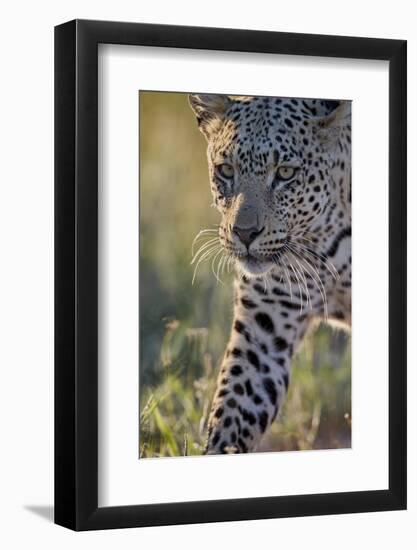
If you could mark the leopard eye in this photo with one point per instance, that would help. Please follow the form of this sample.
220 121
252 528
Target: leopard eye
225 170
285 173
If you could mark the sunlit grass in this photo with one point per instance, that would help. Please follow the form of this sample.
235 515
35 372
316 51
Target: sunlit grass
174 412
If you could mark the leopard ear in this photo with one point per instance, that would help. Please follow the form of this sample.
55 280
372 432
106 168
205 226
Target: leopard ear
210 110
329 127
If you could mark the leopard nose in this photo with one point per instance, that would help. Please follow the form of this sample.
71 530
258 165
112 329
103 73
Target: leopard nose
247 234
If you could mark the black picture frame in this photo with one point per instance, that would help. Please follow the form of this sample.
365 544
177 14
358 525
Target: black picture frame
76 272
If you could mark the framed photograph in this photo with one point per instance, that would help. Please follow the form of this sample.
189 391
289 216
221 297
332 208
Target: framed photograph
230 246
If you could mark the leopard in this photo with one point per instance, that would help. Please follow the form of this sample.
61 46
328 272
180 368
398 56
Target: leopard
280 176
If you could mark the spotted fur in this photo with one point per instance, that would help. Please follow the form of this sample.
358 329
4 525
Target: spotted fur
280 173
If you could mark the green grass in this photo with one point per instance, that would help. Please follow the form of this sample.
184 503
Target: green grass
184 327
316 414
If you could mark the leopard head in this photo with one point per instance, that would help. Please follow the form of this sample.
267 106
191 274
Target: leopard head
269 166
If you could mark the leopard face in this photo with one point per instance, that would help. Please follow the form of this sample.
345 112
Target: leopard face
269 166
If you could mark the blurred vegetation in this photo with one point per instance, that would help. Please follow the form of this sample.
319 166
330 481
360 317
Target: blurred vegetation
184 328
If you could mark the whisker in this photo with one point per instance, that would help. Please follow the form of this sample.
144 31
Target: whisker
220 251
304 280
201 244
277 259
320 257
264 281
219 266
268 281
299 286
326 263
315 276
225 261
203 232
205 256
203 247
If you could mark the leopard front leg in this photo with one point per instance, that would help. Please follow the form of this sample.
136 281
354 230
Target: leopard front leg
255 371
